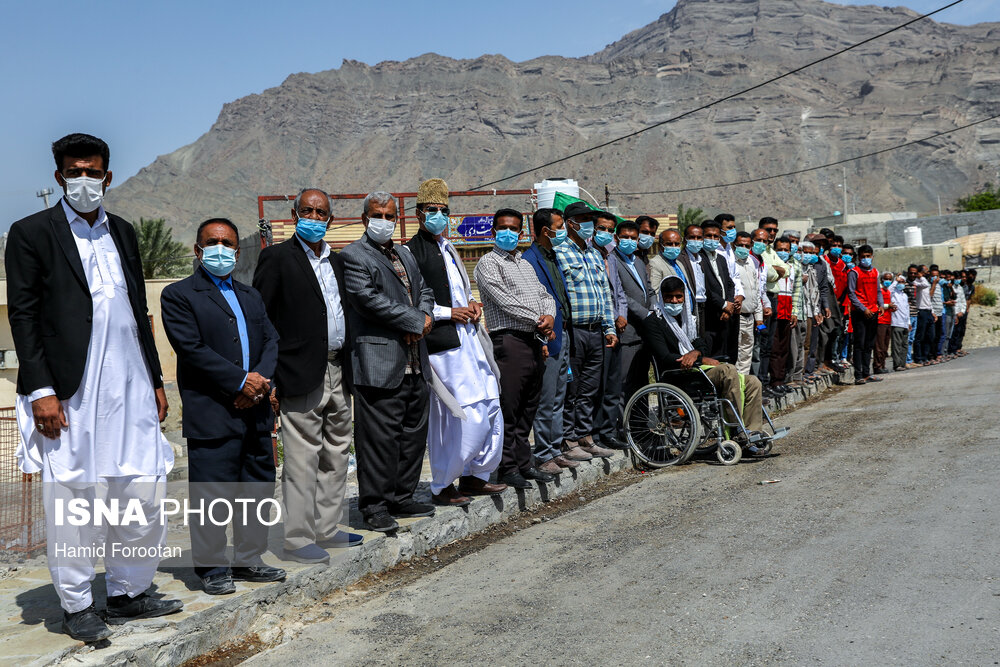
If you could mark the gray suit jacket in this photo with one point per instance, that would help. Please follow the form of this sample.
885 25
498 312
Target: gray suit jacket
638 296
382 312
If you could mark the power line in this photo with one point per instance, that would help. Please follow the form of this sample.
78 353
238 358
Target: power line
720 100
808 169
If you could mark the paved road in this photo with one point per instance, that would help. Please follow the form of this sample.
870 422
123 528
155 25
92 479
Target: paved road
880 545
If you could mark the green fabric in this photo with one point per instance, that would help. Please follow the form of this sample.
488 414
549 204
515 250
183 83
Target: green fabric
562 200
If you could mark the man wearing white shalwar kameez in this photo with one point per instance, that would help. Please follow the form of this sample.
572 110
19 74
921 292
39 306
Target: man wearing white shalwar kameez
109 445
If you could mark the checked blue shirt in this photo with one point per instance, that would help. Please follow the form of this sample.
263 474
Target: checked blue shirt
586 284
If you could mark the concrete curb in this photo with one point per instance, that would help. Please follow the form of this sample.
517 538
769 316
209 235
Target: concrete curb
261 609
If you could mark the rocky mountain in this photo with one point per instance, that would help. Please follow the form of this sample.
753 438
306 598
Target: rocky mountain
388 126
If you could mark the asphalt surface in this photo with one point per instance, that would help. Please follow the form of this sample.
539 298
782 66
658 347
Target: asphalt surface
879 545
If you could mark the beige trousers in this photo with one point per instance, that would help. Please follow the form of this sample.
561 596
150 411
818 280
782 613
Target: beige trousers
727 381
316 436
745 353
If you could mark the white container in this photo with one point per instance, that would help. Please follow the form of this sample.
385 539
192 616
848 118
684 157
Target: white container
547 189
913 236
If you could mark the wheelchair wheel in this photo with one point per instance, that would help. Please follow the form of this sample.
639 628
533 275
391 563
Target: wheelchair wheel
662 426
729 453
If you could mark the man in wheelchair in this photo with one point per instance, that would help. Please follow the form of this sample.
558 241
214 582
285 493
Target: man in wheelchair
671 338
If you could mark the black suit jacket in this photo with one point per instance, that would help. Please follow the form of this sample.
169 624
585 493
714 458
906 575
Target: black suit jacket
444 334
203 331
296 307
49 305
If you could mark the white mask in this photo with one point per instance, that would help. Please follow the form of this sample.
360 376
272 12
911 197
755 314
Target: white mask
84 194
380 230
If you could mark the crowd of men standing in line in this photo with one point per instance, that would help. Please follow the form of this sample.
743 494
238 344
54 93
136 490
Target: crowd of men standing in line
565 332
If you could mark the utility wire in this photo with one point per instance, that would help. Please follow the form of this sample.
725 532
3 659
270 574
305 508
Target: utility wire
722 99
808 169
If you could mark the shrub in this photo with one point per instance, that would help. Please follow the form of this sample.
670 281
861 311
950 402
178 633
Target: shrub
984 296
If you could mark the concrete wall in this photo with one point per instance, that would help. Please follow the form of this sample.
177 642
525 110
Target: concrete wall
945 255
941 228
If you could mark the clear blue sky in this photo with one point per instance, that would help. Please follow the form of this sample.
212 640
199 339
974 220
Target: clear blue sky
150 77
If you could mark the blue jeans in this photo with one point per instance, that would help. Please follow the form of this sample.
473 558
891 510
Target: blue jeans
913 332
947 322
548 425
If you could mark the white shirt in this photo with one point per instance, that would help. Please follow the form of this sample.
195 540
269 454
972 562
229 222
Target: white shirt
113 428
749 279
331 294
726 251
699 277
900 316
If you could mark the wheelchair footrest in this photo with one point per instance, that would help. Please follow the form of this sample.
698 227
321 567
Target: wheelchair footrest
780 433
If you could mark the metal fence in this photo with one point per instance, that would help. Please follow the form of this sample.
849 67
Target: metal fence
22 521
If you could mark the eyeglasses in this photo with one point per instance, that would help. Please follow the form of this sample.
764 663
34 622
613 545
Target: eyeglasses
306 211
434 209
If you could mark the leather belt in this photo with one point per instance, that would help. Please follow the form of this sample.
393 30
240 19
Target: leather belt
333 355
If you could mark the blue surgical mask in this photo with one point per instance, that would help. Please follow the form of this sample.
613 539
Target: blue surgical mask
729 235
673 309
646 241
759 248
741 252
586 230
694 247
672 252
898 287
848 262
627 246
957 281
218 260
783 255
560 237
603 238
507 239
795 248
887 283
711 245
798 256
866 262
380 231
835 251
436 223
310 231
809 258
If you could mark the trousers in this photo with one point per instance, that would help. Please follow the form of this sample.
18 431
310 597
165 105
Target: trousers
900 347
606 421
548 425
865 329
469 447
910 336
924 336
519 359
780 345
587 362
796 353
316 436
744 346
726 380
882 337
957 333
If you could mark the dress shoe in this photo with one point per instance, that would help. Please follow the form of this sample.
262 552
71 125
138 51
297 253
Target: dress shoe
85 625
450 497
341 539
596 451
564 462
614 443
538 475
473 486
309 554
411 509
381 522
515 480
218 584
551 468
576 453
861 381
122 608
258 573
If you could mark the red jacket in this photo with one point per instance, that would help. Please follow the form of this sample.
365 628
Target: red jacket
886 317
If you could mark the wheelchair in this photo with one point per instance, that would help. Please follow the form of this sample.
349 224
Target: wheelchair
667 422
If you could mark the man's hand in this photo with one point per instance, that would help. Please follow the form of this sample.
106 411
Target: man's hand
870 313
477 311
411 338
611 340
275 403
687 361
767 313
49 416
780 271
758 323
827 313
462 315
244 403
545 352
428 325
794 321
620 324
708 361
738 302
256 387
728 308
545 324
161 404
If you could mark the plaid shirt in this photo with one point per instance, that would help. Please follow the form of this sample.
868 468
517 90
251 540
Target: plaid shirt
413 353
587 285
513 298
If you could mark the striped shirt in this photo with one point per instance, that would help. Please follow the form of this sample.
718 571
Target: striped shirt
513 298
587 285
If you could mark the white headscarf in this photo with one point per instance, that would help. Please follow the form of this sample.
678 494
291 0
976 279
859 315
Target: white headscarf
686 330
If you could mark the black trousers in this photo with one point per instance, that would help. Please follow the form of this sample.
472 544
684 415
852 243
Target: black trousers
924 337
229 468
390 438
958 334
765 341
609 404
830 334
519 360
865 330
584 392
781 340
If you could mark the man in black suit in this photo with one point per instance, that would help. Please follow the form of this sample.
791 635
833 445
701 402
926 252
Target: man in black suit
90 391
391 311
713 296
302 284
226 352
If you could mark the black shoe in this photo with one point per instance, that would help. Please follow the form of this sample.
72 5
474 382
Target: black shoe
516 481
613 443
85 625
122 608
218 584
381 522
537 475
259 573
342 539
861 381
411 509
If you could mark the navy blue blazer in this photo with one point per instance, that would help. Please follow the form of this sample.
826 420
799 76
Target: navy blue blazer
534 257
203 332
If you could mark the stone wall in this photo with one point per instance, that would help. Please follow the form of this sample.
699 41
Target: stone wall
941 228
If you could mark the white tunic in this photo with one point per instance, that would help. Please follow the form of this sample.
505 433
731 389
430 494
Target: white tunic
114 429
